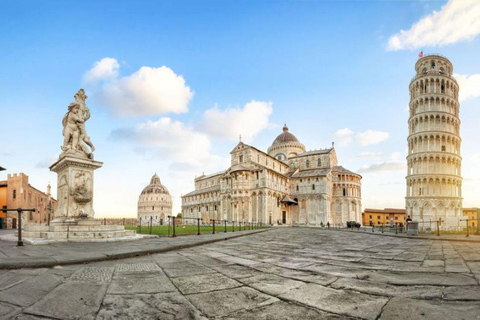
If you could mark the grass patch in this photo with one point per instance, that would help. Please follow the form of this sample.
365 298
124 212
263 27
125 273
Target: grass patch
183 230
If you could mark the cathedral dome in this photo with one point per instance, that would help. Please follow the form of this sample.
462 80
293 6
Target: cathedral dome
155 186
285 136
285 146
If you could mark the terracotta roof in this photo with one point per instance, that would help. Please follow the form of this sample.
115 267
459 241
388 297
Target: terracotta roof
343 170
203 176
386 210
312 152
311 173
206 190
240 168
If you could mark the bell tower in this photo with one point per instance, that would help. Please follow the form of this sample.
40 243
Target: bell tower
434 181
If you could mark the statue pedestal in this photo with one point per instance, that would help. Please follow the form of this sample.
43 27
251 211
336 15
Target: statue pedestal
74 217
74 190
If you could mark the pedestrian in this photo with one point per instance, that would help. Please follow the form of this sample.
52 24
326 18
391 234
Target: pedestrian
408 221
328 225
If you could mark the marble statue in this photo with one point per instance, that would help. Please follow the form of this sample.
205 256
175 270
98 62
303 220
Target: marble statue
76 140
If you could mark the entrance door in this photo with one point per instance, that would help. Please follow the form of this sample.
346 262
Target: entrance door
284 217
14 223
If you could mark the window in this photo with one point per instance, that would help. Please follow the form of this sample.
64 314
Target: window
241 158
14 194
344 192
297 188
308 164
313 187
257 175
378 217
215 208
31 215
396 218
444 148
319 162
153 208
370 217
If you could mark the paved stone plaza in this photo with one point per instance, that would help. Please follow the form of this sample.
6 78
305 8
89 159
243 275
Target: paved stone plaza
284 273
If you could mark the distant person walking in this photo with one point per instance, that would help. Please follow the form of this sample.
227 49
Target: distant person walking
408 221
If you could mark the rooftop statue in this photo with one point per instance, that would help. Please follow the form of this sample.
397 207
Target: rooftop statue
76 141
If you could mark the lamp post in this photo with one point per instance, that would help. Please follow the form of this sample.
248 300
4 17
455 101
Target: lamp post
20 211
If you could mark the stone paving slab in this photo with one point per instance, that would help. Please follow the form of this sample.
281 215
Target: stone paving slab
62 254
71 301
148 306
280 274
348 303
283 311
410 309
224 302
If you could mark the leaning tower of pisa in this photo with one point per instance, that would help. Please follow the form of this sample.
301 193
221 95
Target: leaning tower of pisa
434 181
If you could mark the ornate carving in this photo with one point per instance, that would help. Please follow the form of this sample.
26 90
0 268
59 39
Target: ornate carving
81 192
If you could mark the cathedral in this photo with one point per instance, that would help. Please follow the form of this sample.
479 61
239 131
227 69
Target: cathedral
287 185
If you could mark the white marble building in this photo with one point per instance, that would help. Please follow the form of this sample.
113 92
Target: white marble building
288 185
155 201
434 181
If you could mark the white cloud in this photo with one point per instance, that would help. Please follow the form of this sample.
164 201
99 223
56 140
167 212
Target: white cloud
104 69
148 91
347 136
469 85
387 166
371 137
368 154
172 140
395 156
456 21
232 122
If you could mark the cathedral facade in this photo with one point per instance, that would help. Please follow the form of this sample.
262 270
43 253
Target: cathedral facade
285 186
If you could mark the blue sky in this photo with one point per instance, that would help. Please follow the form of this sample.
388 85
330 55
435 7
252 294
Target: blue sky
193 75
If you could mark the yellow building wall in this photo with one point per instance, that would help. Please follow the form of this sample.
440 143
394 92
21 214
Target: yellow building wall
472 214
381 218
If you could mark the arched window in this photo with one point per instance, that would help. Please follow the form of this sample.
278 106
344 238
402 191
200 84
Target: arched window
297 188
308 163
14 194
313 187
153 208
319 162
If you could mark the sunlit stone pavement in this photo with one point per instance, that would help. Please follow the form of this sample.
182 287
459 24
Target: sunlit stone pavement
285 273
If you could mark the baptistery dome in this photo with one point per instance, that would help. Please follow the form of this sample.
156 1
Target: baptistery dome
286 145
154 202
155 186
